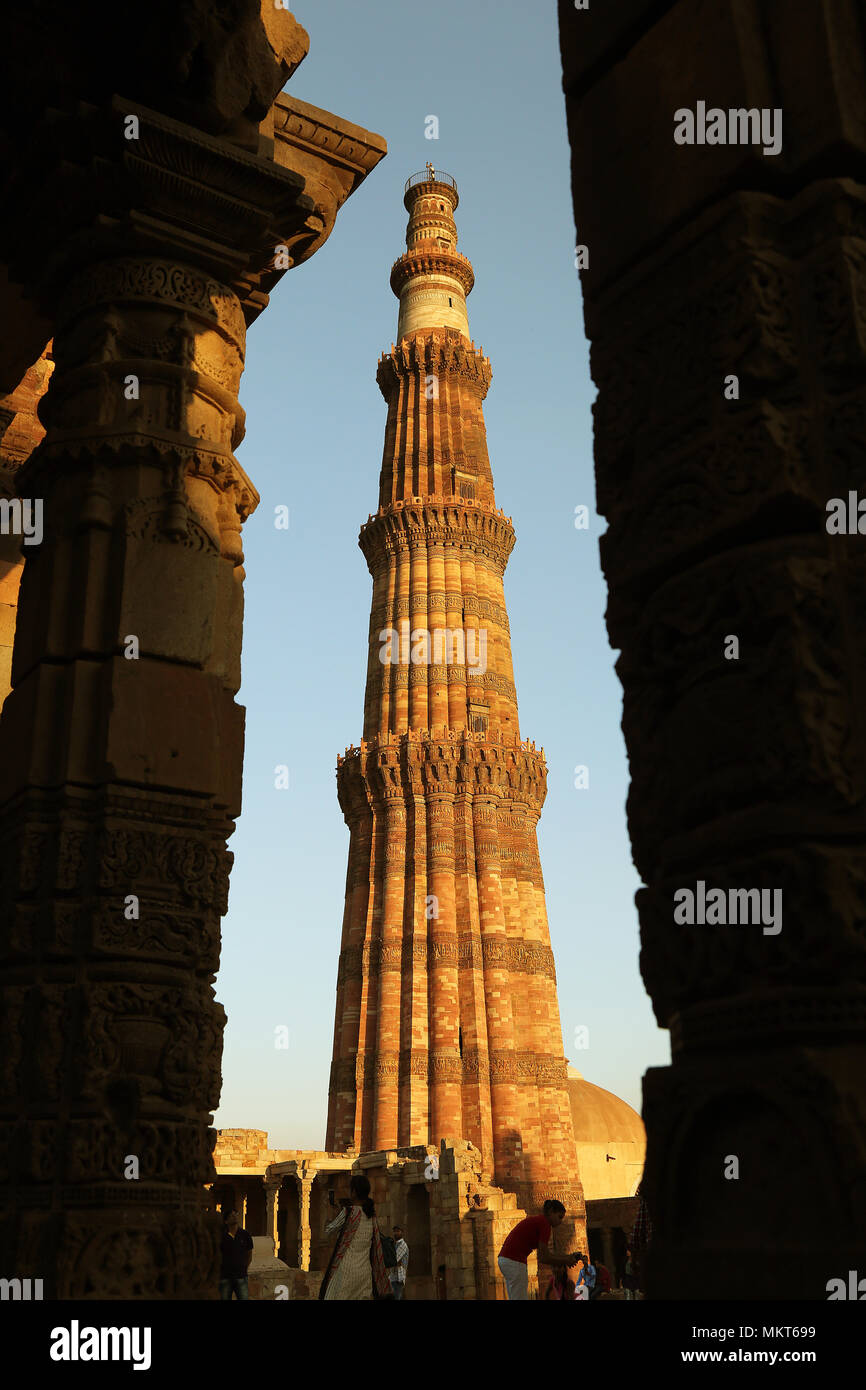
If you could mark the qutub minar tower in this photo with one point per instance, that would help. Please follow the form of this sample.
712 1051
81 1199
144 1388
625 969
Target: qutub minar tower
447 1021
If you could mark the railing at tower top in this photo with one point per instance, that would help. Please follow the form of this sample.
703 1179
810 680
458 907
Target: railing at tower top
424 176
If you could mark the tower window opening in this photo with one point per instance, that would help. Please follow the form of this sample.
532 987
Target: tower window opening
478 714
441 207
449 302
460 1040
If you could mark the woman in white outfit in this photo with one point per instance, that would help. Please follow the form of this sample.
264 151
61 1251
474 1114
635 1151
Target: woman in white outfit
356 1269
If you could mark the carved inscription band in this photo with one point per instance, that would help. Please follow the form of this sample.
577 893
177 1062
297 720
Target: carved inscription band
527 957
509 1068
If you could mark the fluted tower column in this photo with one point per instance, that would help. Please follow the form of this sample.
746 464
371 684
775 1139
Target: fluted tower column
447 1016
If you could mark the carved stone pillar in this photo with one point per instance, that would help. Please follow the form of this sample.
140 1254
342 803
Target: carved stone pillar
724 299
121 743
116 873
272 1200
305 1235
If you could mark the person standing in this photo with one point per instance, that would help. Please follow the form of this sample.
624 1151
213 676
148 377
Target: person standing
236 1251
356 1269
629 1282
532 1233
397 1275
585 1280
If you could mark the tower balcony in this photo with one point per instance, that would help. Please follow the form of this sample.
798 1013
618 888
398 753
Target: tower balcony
441 761
444 734
438 500
424 176
403 525
422 260
432 181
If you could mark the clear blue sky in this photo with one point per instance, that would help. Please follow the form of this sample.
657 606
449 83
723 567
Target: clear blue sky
315 424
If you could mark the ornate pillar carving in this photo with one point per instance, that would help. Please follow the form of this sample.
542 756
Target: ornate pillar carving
116 872
724 298
272 1214
305 1234
121 742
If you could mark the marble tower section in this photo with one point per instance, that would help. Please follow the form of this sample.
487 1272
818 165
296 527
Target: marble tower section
447 1021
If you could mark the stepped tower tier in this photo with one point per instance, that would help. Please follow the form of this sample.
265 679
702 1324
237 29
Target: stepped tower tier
432 278
447 1020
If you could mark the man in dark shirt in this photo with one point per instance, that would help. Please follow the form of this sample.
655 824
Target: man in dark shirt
532 1233
237 1251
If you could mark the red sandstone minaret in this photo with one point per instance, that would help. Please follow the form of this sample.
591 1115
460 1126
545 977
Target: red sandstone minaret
447 1019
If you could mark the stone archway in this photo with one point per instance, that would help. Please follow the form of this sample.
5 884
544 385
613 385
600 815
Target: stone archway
320 1215
418 1230
256 1209
289 1222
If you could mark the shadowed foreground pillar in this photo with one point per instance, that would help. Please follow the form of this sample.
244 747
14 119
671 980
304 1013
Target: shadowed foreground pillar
709 262
121 743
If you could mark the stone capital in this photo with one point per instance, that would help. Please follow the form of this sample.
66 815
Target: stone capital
126 176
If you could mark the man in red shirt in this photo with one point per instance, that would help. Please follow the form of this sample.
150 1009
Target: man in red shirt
532 1233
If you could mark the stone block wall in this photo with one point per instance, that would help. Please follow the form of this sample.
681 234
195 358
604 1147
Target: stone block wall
468 1219
241 1148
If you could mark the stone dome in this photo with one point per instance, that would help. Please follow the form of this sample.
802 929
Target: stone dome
609 1138
600 1117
